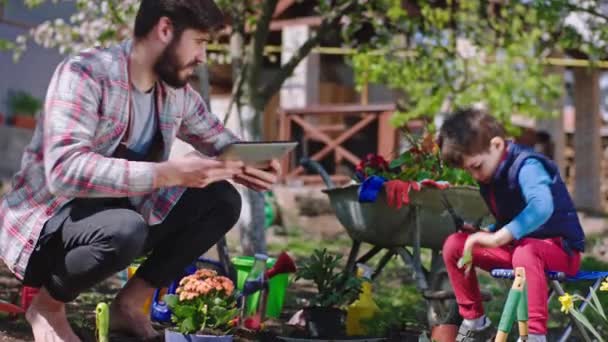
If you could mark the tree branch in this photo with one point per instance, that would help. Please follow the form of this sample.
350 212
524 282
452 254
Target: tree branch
237 92
314 40
575 8
259 42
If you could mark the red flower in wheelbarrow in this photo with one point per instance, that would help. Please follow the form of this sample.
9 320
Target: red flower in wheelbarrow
372 164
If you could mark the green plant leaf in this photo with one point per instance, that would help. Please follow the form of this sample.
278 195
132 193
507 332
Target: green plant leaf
188 326
581 318
334 288
596 304
184 311
171 300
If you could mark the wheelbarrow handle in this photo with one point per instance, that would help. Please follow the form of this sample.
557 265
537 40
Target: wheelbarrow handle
314 166
457 219
459 222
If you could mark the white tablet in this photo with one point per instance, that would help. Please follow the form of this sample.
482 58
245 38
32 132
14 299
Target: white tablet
253 152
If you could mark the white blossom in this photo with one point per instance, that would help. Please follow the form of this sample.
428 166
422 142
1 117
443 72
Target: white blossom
84 28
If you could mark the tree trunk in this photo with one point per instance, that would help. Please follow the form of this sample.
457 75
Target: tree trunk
253 238
251 223
202 72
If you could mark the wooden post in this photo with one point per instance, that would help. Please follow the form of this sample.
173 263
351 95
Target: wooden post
587 140
387 136
515 306
365 94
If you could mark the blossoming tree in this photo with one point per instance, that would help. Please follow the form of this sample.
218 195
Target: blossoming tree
101 23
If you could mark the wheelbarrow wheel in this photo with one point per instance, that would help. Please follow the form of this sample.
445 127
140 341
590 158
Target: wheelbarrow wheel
443 308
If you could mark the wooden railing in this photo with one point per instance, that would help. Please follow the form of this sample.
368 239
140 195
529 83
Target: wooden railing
334 133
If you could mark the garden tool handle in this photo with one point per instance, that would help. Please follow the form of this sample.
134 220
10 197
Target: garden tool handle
313 165
523 329
102 322
516 305
457 219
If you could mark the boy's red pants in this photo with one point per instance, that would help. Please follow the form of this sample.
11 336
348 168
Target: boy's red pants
535 255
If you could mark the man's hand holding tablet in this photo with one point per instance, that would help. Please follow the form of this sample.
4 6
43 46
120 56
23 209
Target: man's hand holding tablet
261 159
252 164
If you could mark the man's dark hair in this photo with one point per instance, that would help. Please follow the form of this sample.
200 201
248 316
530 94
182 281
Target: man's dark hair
203 15
467 132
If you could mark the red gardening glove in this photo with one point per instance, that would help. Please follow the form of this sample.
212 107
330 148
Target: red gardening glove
398 193
415 185
438 185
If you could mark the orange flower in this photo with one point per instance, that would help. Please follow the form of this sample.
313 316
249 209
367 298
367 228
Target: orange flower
190 286
229 287
183 281
203 288
205 273
186 295
202 283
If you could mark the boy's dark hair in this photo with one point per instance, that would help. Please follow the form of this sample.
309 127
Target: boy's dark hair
467 132
201 15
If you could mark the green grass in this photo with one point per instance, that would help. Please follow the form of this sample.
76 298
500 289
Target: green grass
401 308
401 302
302 246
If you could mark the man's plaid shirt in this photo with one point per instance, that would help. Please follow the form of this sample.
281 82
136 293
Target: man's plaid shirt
85 118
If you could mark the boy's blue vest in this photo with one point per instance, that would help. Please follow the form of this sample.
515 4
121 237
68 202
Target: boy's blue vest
504 191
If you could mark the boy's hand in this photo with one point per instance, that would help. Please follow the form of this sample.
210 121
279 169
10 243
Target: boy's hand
468 228
466 261
260 178
467 253
486 240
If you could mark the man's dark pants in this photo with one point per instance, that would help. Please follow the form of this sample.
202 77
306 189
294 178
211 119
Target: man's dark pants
92 239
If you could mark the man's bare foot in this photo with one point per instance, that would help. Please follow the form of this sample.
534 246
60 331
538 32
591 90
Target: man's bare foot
126 314
48 319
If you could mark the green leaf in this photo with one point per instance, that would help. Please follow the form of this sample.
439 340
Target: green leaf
581 318
183 311
188 326
6 45
596 304
334 288
171 300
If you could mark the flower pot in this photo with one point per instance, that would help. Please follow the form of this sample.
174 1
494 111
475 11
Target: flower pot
444 332
176 336
25 121
324 321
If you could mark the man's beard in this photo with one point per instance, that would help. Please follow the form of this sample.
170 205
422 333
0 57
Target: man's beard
168 66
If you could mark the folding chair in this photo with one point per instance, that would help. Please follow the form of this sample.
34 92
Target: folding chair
555 278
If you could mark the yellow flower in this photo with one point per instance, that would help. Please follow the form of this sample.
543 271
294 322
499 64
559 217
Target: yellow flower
567 302
604 286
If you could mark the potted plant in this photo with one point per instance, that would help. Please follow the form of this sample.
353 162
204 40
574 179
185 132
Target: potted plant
422 161
335 289
203 308
24 108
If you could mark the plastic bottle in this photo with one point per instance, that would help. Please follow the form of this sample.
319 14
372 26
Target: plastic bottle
362 308
254 282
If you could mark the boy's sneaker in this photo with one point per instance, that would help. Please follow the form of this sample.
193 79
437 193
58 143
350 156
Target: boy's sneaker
484 334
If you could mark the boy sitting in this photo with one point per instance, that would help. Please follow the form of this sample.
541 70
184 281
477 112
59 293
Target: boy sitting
537 226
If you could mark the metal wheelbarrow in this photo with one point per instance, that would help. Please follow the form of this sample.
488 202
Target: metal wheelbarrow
424 223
